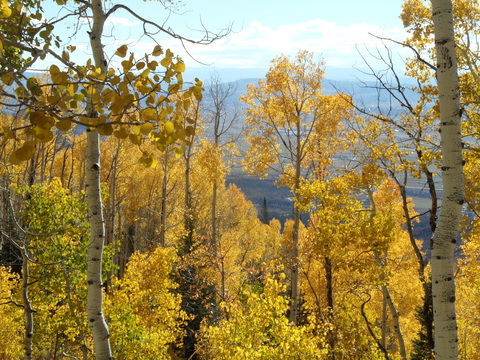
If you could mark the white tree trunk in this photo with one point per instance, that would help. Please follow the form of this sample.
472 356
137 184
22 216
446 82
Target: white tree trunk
444 239
96 320
396 322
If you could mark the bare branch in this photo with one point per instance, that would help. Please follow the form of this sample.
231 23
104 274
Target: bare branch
417 54
208 38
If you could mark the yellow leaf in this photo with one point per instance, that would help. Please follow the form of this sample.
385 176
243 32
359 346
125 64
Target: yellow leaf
152 65
115 80
121 133
180 66
157 51
5 11
146 128
13 159
169 127
63 125
149 114
42 135
127 65
25 152
135 139
166 62
122 51
106 129
7 79
148 161
54 69
129 77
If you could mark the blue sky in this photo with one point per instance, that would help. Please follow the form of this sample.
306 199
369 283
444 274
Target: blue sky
263 29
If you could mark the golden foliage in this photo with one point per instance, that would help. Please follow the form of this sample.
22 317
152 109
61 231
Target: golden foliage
145 315
256 327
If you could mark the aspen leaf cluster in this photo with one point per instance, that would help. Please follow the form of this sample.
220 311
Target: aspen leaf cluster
139 102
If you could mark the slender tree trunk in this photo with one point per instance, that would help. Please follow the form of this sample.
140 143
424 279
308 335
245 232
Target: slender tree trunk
189 211
427 291
384 321
98 325
329 281
329 288
385 292
396 321
444 239
96 319
214 240
163 211
295 280
294 308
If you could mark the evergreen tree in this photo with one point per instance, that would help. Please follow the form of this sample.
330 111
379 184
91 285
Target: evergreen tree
264 213
422 350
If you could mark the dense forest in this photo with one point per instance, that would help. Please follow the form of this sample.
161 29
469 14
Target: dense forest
123 234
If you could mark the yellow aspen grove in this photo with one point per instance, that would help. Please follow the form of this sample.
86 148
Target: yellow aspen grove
133 101
256 327
142 331
444 238
288 119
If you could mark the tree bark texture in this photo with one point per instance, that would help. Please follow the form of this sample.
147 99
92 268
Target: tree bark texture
96 319
444 238
97 323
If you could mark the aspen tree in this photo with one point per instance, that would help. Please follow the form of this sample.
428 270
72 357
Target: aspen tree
444 239
132 101
288 120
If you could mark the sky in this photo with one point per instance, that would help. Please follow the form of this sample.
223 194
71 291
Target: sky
336 31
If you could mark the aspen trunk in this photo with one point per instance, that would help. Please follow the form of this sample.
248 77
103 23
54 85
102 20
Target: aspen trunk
396 321
444 238
96 319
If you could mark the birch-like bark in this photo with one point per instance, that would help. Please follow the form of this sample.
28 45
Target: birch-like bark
444 239
96 319
396 322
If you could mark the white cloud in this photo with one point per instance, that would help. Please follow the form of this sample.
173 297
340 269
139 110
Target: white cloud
257 44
